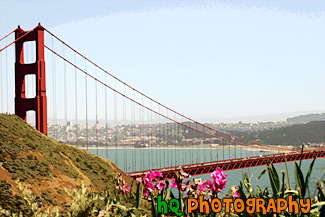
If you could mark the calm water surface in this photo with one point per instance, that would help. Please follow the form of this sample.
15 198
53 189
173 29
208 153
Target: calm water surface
149 158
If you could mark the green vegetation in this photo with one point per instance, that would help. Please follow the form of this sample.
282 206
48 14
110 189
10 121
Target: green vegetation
313 132
83 204
106 204
307 118
46 165
43 178
281 188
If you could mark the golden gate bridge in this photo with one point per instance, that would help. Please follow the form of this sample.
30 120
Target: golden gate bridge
80 91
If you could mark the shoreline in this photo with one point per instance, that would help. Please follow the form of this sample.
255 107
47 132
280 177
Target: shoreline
181 148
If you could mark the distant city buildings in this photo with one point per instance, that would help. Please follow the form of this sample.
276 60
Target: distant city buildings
147 134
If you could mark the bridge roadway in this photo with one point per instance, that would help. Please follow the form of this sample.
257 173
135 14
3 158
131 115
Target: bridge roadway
234 164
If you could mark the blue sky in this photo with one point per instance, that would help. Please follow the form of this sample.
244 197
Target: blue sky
201 58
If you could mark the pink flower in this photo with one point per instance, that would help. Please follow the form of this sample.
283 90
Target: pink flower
173 184
148 177
158 174
207 184
218 173
201 187
145 193
126 188
161 185
219 180
148 185
152 176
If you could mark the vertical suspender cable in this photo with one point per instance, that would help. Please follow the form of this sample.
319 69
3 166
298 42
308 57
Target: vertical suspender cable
186 144
148 138
124 133
76 98
133 136
178 143
235 150
167 134
223 150
217 149
130 151
229 149
172 161
140 144
65 97
115 124
196 142
189 143
135 132
171 142
182 143
96 112
106 130
86 93
54 92
211 141
143 132
7 83
160 137
156 138
202 145
55 113
176 146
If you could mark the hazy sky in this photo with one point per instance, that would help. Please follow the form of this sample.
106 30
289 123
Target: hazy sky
201 58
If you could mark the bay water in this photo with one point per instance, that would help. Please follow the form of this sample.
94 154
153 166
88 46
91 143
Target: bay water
137 159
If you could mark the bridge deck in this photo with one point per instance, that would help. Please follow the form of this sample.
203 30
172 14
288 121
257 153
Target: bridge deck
240 163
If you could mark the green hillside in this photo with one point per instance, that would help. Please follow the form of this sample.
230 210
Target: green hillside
313 132
46 166
307 118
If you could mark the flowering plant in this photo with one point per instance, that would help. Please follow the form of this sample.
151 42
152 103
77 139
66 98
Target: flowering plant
153 191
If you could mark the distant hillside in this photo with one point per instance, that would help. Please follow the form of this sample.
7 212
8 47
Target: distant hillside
46 165
307 118
313 132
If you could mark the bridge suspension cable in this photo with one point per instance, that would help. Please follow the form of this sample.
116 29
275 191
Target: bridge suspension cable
169 109
138 120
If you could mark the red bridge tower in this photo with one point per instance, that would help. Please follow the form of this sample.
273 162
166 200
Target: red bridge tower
39 102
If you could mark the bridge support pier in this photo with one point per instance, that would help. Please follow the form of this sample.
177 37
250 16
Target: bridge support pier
39 102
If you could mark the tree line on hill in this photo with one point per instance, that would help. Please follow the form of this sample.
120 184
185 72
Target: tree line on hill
307 118
312 132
